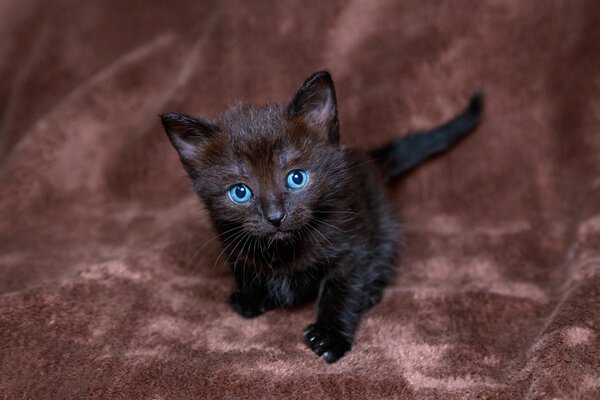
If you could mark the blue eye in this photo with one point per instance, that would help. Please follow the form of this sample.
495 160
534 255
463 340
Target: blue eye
240 193
297 179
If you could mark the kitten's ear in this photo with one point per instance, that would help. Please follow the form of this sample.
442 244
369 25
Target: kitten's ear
315 102
187 134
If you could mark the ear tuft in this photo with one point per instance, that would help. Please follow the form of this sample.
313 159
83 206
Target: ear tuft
316 102
187 133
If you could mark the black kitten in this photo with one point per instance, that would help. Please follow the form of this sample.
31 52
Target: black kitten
300 216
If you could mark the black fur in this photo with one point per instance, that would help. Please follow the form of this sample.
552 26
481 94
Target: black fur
335 239
409 151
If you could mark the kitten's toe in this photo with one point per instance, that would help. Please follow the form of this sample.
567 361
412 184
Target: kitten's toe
246 305
324 342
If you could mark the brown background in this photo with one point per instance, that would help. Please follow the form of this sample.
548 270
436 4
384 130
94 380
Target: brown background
110 288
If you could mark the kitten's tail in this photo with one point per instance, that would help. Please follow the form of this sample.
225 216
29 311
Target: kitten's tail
407 152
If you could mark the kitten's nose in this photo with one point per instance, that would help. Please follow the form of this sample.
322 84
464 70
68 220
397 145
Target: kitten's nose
276 217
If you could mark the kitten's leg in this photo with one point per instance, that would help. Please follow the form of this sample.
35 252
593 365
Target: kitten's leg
251 297
375 293
340 304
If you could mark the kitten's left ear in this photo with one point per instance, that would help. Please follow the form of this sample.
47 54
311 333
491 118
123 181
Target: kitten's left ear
315 102
187 134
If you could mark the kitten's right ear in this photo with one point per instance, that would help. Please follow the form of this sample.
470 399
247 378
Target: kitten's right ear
187 134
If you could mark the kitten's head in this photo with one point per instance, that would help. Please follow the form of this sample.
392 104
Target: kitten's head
269 169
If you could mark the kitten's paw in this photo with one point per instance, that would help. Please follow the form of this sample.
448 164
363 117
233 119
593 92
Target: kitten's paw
246 305
324 342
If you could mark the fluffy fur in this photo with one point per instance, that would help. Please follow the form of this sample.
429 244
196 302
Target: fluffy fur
333 240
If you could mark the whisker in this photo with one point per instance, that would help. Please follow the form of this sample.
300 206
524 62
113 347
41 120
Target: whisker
357 165
248 251
262 253
320 233
242 250
233 240
334 212
237 243
254 248
317 243
205 244
256 276
328 224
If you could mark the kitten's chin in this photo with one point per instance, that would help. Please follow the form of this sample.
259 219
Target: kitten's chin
282 236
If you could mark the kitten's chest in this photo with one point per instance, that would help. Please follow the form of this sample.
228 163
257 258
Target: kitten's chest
292 258
295 288
281 288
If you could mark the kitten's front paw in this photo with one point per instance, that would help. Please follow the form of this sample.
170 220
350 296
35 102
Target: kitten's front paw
246 305
324 342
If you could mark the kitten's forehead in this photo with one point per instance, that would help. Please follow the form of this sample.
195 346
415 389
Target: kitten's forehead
249 121
261 141
259 134
262 155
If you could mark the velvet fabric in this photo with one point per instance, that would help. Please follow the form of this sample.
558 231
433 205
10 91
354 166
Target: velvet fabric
111 280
